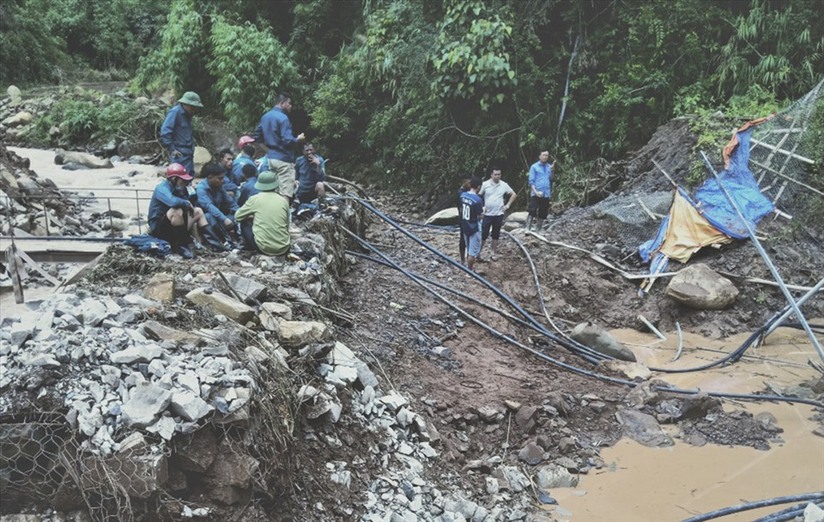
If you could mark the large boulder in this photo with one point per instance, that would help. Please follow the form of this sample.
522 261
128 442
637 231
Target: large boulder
448 216
21 118
597 338
699 287
62 157
643 428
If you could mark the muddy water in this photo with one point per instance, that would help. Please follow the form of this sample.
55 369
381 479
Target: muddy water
659 484
103 183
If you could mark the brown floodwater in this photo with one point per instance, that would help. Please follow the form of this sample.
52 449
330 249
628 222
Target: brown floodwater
662 484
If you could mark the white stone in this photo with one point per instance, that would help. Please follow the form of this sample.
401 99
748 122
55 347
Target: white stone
189 406
136 353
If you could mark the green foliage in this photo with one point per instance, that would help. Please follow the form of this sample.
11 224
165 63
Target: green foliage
472 59
775 45
29 51
90 119
250 67
173 63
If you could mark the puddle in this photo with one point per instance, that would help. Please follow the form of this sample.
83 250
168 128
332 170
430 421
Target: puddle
655 484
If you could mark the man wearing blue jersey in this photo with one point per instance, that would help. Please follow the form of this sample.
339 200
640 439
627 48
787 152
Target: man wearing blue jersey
471 210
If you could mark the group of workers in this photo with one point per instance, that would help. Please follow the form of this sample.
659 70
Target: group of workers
239 199
482 206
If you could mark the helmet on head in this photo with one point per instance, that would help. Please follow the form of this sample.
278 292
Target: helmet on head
191 98
176 170
245 140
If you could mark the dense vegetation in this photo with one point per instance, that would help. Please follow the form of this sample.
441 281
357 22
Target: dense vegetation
420 90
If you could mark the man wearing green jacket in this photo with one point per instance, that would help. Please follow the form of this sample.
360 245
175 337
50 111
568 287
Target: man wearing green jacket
264 218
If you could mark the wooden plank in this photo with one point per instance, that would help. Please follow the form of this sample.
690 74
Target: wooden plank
32 263
665 173
12 267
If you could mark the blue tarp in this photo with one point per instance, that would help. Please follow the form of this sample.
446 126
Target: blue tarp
742 187
712 204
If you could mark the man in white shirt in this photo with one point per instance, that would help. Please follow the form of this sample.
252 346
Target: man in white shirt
494 192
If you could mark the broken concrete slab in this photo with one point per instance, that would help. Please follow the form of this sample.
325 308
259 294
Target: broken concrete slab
294 334
222 304
159 332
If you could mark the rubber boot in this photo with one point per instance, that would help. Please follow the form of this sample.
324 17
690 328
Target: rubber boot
528 225
540 225
493 249
211 240
181 243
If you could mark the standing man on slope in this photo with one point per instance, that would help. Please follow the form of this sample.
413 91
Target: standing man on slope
494 191
471 208
176 132
540 179
275 130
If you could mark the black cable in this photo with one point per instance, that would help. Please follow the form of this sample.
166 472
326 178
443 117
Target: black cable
754 505
787 514
581 349
561 364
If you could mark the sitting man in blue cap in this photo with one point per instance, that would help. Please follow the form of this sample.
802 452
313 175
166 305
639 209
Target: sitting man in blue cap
176 132
265 218
218 207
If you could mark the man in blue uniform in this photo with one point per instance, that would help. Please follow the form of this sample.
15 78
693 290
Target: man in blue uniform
218 207
176 132
171 216
310 172
540 180
275 131
462 245
471 210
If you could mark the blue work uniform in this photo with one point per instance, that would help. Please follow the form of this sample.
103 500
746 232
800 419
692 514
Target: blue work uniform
165 196
307 174
176 135
275 130
217 205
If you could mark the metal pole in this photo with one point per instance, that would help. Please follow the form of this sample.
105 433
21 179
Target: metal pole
787 314
767 259
137 205
111 220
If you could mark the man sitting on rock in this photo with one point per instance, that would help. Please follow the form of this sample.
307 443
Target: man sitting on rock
310 172
265 218
171 216
218 207
230 184
250 176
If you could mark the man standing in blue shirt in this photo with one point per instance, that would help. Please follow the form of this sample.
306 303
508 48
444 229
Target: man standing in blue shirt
218 207
275 130
176 132
471 210
310 172
540 180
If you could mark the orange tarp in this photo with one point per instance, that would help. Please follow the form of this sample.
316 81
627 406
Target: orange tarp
688 231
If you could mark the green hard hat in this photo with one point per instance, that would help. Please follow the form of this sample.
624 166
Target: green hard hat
267 181
191 98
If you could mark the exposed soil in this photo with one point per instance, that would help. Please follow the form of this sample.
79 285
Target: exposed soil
472 389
